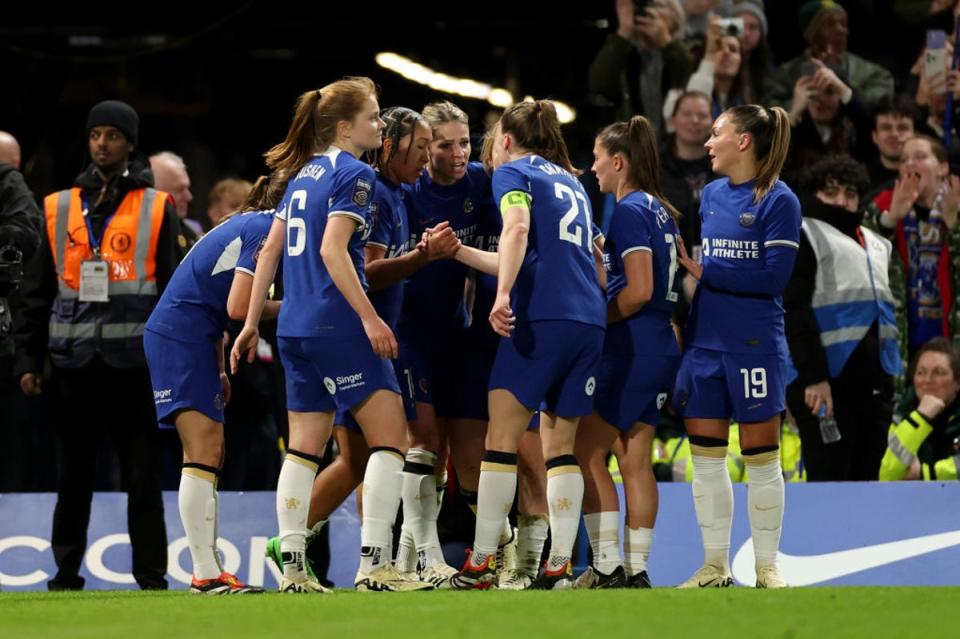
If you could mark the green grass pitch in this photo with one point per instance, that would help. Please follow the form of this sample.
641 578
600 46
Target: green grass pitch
822 613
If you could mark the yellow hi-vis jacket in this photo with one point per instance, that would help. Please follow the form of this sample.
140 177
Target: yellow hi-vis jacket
675 453
904 441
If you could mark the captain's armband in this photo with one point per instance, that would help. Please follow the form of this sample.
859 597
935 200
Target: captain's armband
514 198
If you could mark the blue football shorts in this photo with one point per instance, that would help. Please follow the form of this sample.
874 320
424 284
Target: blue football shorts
745 386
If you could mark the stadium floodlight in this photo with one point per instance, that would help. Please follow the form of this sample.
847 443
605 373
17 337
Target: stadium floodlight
500 98
466 87
565 112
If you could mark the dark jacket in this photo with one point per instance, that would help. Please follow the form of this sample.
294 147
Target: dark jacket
40 274
20 218
850 134
871 81
682 182
618 75
802 329
20 223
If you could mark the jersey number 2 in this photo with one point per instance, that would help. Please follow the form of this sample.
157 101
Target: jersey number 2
564 192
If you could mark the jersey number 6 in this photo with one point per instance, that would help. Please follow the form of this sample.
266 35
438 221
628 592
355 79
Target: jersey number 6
296 242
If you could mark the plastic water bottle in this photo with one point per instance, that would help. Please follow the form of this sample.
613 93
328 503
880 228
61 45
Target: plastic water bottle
829 432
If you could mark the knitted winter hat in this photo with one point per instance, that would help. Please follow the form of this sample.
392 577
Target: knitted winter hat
812 15
117 114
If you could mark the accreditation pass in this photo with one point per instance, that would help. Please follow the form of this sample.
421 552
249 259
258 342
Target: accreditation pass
94 281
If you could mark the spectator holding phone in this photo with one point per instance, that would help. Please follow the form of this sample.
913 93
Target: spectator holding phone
936 81
826 117
757 60
720 71
824 27
639 63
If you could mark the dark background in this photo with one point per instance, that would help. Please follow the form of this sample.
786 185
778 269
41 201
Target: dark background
216 82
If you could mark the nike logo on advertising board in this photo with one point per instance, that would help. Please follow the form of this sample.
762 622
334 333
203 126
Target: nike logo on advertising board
806 570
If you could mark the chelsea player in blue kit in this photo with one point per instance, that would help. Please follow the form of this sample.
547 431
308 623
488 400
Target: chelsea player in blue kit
457 192
549 311
183 342
640 354
334 346
519 550
735 359
388 262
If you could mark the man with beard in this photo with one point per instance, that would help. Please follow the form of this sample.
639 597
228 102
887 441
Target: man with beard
108 250
824 27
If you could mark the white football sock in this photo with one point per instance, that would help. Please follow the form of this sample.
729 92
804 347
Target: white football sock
531 538
406 560
420 504
564 498
198 512
603 530
765 499
636 549
498 487
381 498
713 502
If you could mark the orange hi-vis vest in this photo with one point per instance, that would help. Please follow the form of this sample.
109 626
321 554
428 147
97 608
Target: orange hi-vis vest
112 329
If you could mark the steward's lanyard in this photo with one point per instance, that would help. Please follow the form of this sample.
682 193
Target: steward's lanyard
92 239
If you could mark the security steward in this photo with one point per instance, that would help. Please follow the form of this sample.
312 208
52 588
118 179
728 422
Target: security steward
110 245
841 328
925 444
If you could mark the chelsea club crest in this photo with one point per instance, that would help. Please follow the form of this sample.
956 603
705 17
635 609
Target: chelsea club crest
747 218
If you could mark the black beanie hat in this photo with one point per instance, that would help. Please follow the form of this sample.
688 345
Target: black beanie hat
117 114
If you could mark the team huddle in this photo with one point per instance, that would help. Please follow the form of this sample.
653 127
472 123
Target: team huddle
437 309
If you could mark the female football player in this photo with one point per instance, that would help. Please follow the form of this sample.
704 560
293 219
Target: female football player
334 346
640 353
183 341
443 352
549 312
734 365
387 262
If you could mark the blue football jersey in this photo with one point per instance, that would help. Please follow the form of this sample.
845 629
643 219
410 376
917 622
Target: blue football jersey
736 234
391 232
640 223
333 183
487 239
433 299
193 307
558 277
